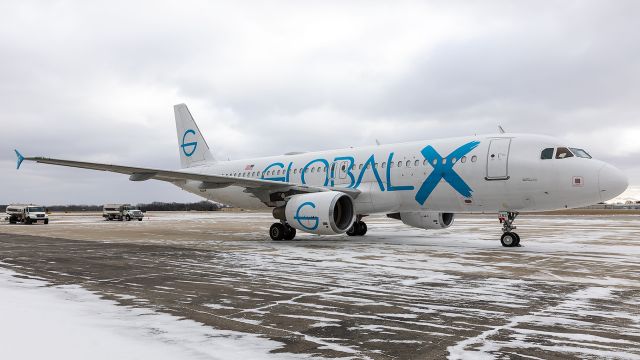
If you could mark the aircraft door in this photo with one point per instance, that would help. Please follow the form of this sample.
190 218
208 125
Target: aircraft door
340 170
498 159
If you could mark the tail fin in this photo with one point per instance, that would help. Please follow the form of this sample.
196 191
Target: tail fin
192 145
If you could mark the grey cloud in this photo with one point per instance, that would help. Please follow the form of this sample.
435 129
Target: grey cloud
96 81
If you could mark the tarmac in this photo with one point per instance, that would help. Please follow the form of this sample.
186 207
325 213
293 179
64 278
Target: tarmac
572 290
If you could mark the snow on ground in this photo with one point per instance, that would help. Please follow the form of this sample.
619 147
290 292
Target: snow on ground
571 290
39 321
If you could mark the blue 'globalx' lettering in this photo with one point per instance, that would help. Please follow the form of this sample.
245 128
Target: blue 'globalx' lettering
310 222
392 187
191 145
444 170
304 171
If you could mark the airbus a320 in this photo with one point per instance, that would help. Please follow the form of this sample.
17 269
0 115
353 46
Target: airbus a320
423 183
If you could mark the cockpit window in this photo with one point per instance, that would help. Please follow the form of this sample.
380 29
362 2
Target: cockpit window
546 154
580 153
563 153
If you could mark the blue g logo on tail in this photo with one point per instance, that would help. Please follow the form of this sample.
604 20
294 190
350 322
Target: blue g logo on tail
442 170
307 222
191 146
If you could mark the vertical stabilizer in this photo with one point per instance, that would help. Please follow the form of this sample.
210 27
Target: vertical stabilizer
191 144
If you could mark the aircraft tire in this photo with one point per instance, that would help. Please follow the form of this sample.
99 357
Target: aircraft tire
509 239
362 228
354 230
290 233
277 231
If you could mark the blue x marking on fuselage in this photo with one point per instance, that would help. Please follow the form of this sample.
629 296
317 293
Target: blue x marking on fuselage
444 170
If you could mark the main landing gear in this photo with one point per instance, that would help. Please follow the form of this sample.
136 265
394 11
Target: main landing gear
508 238
359 228
282 231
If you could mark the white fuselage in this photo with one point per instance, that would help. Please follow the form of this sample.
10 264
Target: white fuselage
486 173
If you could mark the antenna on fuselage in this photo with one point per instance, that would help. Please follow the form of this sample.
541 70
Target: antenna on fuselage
500 129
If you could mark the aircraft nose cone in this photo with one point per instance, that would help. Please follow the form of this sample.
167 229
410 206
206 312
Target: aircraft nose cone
613 182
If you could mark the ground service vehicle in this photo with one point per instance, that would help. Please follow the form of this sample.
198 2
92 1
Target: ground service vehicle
27 214
121 212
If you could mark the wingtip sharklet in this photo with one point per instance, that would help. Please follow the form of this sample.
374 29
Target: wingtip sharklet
20 159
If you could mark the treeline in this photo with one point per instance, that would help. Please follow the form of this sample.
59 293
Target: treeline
198 206
154 206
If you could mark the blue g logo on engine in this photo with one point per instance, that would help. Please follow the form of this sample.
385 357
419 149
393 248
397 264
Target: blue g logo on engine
444 170
307 222
191 145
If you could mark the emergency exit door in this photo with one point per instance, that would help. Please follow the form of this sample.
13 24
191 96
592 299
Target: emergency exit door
498 159
340 169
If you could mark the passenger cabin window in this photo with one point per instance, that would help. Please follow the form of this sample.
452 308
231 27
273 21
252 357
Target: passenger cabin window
580 153
563 153
546 154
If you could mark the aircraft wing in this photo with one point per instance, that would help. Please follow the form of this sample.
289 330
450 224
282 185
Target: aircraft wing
267 191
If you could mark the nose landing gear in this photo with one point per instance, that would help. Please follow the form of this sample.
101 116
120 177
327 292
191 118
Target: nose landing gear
508 238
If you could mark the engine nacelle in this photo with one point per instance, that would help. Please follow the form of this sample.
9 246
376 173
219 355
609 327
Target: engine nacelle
323 213
425 219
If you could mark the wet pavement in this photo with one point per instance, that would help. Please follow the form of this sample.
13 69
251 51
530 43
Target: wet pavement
571 291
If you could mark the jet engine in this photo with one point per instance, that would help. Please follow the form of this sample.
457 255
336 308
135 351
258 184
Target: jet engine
425 219
323 213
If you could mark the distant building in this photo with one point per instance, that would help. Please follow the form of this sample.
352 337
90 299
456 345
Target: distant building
628 205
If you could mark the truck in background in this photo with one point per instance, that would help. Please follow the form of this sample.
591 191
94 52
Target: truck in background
121 212
27 214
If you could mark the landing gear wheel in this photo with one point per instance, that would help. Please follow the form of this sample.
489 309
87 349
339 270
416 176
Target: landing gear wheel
354 229
289 233
363 228
277 232
517 239
509 239
358 228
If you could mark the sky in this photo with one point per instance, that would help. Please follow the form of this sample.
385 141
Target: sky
97 81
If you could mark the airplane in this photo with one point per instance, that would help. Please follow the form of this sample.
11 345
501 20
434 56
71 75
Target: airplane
422 183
